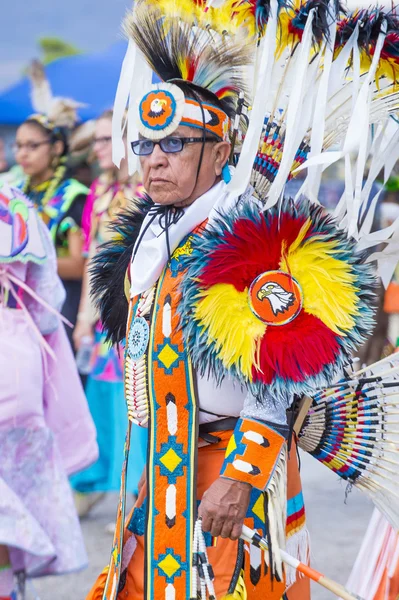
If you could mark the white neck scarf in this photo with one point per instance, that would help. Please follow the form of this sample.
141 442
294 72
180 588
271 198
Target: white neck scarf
151 253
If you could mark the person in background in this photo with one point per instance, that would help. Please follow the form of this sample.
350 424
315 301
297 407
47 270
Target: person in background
81 153
3 158
110 193
41 148
46 431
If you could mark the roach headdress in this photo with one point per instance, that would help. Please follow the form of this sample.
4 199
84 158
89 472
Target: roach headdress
202 71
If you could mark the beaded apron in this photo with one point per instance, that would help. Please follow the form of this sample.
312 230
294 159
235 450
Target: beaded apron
160 390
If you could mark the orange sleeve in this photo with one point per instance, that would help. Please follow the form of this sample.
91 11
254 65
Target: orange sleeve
252 453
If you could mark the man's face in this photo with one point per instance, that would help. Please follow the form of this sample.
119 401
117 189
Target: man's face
172 178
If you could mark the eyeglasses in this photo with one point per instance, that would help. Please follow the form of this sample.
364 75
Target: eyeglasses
169 145
30 146
102 141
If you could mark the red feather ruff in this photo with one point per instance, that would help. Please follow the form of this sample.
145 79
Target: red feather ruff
297 350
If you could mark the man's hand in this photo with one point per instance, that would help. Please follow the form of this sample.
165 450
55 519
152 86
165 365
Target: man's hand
224 506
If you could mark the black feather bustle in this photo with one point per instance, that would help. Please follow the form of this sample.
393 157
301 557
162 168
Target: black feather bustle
108 270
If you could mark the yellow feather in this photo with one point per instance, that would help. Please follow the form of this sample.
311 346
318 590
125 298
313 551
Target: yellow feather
387 68
327 283
231 18
286 37
179 8
301 236
231 324
224 19
243 16
126 286
240 593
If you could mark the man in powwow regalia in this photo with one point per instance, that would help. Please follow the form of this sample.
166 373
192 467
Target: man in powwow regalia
231 313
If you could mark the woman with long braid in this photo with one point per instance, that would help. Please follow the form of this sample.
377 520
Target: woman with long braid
41 149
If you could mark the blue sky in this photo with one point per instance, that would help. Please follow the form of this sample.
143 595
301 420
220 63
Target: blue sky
92 25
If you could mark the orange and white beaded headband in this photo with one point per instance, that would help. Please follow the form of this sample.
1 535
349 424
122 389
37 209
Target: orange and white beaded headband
165 107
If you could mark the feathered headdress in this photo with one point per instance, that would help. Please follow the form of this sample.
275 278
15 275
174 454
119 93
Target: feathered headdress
202 65
179 52
50 111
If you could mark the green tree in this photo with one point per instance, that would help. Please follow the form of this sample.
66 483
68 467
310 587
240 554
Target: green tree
54 47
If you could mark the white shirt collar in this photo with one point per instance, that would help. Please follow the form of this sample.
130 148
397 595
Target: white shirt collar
150 254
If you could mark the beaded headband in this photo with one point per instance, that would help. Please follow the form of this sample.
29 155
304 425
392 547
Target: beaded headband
45 122
165 107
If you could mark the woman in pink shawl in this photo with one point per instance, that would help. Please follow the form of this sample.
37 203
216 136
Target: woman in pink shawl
46 432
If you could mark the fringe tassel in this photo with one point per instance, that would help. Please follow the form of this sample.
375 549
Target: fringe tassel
277 513
298 545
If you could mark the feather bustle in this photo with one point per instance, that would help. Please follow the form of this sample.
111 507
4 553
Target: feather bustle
238 248
109 267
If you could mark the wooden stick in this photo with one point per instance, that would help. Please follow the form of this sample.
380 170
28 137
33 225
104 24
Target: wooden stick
378 363
306 403
251 536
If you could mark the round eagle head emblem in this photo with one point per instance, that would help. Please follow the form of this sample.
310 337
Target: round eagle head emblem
157 107
280 300
275 297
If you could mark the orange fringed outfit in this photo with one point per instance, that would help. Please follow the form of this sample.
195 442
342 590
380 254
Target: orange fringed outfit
223 553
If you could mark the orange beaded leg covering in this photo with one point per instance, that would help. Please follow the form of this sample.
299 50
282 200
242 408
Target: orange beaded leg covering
223 554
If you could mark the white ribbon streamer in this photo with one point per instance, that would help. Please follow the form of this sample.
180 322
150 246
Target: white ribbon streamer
121 100
293 114
312 183
241 177
141 81
337 81
360 123
382 156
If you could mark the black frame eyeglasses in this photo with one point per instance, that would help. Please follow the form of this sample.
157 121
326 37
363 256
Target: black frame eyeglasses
169 145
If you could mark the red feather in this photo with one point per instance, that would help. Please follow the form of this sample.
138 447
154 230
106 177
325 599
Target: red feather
251 248
296 351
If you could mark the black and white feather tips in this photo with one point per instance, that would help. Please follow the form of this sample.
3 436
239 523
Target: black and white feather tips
178 51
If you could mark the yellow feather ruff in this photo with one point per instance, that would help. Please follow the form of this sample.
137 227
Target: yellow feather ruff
326 281
243 16
287 38
225 313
